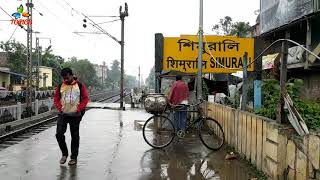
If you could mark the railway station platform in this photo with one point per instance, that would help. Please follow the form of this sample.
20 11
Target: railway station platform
112 147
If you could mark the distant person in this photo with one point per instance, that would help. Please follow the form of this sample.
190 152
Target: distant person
71 98
178 95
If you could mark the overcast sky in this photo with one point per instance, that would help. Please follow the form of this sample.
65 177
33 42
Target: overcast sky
146 17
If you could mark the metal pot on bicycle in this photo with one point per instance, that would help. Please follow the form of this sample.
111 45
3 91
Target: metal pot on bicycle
155 103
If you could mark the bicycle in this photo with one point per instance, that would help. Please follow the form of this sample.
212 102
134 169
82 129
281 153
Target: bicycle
159 131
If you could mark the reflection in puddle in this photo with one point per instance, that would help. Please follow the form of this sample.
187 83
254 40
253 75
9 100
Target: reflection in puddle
164 164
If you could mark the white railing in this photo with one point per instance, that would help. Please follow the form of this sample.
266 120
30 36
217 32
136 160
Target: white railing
17 110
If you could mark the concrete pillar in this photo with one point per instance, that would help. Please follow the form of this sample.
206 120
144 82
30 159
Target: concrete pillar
19 111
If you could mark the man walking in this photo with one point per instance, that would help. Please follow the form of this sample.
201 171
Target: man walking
178 95
71 98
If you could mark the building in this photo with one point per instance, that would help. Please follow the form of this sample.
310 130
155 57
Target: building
4 77
101 71
297 20
45 76
7 79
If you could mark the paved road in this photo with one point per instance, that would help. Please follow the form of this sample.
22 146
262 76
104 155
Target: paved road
112 147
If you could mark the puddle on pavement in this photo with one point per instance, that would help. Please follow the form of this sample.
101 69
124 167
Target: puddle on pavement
183 160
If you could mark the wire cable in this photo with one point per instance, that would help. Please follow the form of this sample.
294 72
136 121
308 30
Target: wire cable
263 52
109 21
13 18
13 33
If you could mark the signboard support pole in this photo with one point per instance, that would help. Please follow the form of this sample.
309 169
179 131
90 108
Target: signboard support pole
200 50
245 82
283 78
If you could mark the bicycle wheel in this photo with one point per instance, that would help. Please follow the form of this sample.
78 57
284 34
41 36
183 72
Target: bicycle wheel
158 131
211 133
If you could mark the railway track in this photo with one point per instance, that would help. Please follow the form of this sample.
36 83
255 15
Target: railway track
16 136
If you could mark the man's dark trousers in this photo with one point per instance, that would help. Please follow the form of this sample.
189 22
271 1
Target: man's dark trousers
74 123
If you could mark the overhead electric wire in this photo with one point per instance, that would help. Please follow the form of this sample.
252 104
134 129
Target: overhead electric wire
262 53
103 16
94 24
109 21
13 33
66 24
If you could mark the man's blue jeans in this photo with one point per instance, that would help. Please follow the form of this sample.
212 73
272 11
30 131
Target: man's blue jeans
180 118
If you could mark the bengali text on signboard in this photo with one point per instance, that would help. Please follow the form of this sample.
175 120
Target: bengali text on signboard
221 54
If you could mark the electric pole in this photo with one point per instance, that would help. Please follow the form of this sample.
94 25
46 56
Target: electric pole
38 63
139 78
38 52
29 59
200 49
123 14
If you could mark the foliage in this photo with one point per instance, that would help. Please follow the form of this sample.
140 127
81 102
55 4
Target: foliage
113 77
151 79
227 27
17 56
309 110
130 81
84 70
240 29
224 26
50 60
270 98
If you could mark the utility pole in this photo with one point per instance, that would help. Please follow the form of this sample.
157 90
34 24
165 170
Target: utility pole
245 83
123 14
200 50
139 78
38 63
29 59
38 53
281 118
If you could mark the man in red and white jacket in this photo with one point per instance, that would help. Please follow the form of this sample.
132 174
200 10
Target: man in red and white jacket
71 99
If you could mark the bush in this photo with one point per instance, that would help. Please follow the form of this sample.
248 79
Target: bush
309 110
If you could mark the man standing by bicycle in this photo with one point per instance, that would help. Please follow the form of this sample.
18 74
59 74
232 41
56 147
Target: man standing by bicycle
178 95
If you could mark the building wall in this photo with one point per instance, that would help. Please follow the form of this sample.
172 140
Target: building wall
311 80
4 78
48 72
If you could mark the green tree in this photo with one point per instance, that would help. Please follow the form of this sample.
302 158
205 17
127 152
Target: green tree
240 29
130 81
224 26
84 70
227 27
17 57
56 62
114 75
150 81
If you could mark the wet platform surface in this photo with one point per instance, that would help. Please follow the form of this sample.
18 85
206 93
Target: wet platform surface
112 147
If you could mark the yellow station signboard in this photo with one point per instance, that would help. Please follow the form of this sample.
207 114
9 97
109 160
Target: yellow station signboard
221 54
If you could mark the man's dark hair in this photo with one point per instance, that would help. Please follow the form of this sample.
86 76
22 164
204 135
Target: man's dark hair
66 71
178 77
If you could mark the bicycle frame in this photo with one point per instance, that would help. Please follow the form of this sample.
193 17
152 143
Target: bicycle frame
189 124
